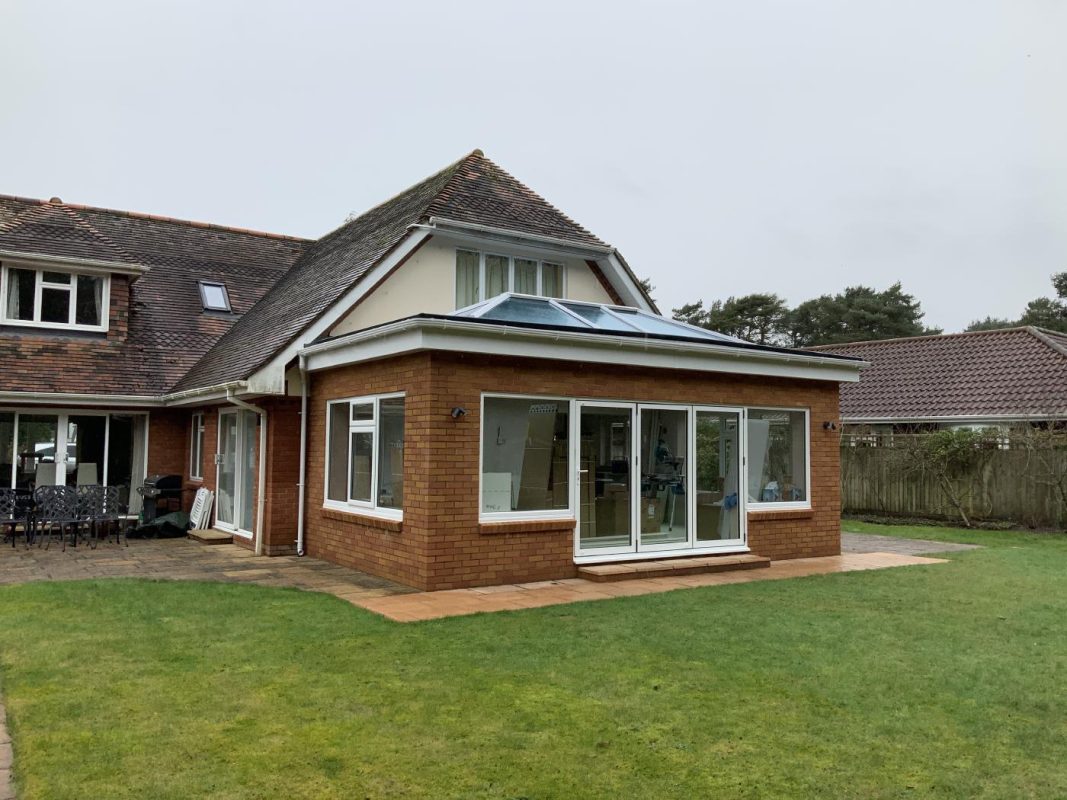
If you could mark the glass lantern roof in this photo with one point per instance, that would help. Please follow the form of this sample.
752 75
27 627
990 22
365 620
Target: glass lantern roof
581 316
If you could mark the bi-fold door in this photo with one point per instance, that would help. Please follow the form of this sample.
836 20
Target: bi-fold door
658 479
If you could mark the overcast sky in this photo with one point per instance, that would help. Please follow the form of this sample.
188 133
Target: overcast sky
723 147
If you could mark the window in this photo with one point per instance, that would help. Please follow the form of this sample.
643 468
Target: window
526 456
196 448
214 296
777 456
482 276
46 298
365 454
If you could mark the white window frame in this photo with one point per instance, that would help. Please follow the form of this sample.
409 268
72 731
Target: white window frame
371 508
562 514
541 262
784 505
71 288
196 448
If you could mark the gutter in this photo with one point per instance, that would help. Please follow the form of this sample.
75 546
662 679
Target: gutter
261 500
303 454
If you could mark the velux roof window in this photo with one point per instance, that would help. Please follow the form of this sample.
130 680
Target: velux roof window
214 296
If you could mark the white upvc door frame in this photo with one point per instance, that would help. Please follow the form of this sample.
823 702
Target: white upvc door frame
690 474
742 478
240 446
597 553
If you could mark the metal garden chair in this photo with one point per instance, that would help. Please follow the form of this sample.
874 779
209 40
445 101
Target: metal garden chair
16 508
100 508
57 510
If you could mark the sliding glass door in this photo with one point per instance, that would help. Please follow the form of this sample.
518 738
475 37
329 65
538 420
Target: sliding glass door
234 509
660 479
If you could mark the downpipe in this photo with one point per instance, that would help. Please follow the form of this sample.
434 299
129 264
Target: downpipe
303 454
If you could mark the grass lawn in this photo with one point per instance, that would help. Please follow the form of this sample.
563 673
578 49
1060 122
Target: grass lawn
918 682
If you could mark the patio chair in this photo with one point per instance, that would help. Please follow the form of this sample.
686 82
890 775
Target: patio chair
97 507
108 514
16 508
57 510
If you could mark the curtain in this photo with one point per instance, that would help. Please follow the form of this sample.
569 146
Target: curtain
467 284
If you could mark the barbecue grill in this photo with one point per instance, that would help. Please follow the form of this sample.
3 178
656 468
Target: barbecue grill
159 490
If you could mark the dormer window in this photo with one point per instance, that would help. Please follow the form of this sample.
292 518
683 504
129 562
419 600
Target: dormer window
482 276
54 299
214 296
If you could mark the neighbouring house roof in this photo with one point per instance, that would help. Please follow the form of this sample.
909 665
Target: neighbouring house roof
1008 373
472 190
168 329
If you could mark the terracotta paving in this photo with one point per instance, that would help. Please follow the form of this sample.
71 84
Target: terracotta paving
876 543
457 602
184 559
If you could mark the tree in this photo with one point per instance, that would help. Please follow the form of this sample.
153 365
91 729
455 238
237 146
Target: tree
758 318
1045 312
858 314
646 284
990 324
692 313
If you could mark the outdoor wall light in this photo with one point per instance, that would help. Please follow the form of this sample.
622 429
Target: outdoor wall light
459 412
829 426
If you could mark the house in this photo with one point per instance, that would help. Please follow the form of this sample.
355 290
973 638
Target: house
460 387
998 378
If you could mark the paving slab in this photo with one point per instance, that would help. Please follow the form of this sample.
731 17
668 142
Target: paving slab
876 543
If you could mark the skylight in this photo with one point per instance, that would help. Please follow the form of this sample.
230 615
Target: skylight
591 317
214 296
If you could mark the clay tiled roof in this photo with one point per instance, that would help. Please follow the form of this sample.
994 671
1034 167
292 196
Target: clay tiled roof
473 190
168 328
1013 372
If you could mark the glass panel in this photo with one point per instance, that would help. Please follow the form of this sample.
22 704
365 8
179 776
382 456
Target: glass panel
89 306
363 412
525 276
777 462
85 450
467 279
120 456
605 490
523 309
718 476
391 453
215 298
36 460
56 277
657 325
228 468
664 441
20 289
337 453
600 318
525 455
552 280
496 275
55 305
362 450
246 517
7 445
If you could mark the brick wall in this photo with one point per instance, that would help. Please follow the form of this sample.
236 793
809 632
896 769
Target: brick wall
441 544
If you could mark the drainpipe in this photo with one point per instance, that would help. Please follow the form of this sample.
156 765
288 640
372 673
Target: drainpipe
303 454
262 463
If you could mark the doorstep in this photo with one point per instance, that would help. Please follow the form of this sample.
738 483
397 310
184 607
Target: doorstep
211 536
667 567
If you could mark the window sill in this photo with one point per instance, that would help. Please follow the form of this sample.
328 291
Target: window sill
364 519
526 526
780 513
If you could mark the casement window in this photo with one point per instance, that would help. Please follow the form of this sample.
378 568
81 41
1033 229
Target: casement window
482 276
525 457
778 468
196 448
54 299
365 454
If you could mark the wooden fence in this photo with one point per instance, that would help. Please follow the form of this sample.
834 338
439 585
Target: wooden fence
1009 485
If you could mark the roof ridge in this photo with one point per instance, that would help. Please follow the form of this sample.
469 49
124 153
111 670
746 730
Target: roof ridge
1010 329
38 213
1048 337
159 218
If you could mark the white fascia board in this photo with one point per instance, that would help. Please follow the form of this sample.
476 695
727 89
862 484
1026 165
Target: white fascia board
87 266
270 378
623 280
79 399
969 419
458 336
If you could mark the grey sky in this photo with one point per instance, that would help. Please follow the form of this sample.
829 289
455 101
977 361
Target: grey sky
724 147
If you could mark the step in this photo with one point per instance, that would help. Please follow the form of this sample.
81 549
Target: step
666 567
211 537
